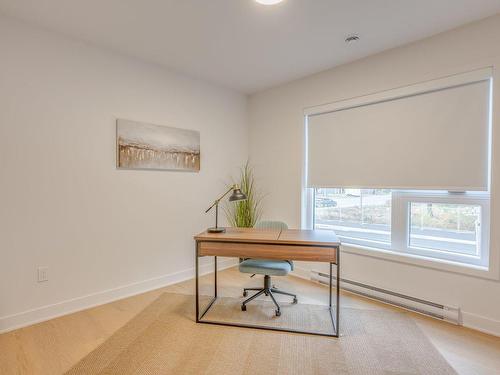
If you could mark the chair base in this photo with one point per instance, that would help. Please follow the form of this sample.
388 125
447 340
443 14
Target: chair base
268 290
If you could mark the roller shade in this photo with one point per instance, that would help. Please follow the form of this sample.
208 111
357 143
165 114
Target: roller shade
435 139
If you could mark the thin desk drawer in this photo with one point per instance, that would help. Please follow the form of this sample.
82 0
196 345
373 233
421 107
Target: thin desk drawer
268 251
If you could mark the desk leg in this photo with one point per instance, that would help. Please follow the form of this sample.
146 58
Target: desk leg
196 260
215 276
330 288
198 315
330 307
336 320
338 294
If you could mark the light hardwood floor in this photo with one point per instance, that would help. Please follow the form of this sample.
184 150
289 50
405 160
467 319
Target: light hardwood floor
54 346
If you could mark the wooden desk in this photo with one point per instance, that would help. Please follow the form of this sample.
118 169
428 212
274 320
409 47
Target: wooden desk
290 244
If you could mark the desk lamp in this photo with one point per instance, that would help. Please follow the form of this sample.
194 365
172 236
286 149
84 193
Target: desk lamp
237 195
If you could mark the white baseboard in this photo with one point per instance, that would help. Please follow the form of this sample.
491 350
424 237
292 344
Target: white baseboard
473 321
481 323
43 313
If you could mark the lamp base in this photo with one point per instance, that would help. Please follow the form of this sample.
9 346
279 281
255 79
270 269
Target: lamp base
216 230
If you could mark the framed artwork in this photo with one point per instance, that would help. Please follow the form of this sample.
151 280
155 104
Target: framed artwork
148 146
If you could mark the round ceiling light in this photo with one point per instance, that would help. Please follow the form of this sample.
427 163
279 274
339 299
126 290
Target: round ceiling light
268 2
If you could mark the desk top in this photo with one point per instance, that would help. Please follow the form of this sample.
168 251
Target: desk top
286 236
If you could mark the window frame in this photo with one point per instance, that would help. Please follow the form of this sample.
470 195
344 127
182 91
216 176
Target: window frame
490 256
400 228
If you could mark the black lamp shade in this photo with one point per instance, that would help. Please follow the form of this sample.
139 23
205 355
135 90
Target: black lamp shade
237 195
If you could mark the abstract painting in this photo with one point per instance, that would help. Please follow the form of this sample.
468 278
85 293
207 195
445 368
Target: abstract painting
147 146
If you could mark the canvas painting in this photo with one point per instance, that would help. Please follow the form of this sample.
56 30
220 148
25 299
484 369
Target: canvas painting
147 146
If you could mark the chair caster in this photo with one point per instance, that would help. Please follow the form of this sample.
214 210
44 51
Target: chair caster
243 308
245 293
278 313
295 300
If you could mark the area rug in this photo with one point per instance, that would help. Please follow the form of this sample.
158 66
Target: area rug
164 339
304 317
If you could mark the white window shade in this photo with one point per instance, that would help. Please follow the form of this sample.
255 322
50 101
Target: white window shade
428 136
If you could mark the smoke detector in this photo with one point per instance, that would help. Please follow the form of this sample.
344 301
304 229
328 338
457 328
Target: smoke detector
352 38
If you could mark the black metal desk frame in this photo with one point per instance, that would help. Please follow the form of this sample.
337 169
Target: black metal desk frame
335 316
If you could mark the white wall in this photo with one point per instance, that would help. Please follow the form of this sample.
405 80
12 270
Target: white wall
276 148
103 233
106 233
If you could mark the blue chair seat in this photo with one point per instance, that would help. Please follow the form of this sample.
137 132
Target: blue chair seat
266 267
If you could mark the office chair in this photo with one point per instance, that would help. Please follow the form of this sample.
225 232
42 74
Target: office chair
267 268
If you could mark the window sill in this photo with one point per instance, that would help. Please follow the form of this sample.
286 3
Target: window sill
415 260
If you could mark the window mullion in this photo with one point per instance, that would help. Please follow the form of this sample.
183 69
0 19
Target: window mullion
398 223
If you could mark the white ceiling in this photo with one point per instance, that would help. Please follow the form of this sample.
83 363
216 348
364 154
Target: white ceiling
244 45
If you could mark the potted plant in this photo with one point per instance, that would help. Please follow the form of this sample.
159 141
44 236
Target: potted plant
245 214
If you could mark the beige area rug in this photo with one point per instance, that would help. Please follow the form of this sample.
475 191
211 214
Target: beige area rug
164 339
315 318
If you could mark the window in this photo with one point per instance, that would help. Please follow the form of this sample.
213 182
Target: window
422 154
447 227
438 224
360 216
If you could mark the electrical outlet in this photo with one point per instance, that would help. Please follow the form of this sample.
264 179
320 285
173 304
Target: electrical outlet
43 274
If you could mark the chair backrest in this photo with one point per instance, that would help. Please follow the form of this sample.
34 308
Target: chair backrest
271 225
276 225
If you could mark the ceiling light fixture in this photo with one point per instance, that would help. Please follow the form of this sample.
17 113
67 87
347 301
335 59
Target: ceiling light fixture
352 38
268 2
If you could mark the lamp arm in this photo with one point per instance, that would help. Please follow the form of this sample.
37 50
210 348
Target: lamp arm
216 202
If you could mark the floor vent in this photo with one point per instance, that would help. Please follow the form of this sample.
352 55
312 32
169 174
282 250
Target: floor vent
435 310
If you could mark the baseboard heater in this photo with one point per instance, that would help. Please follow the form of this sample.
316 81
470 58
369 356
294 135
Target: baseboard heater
435 310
